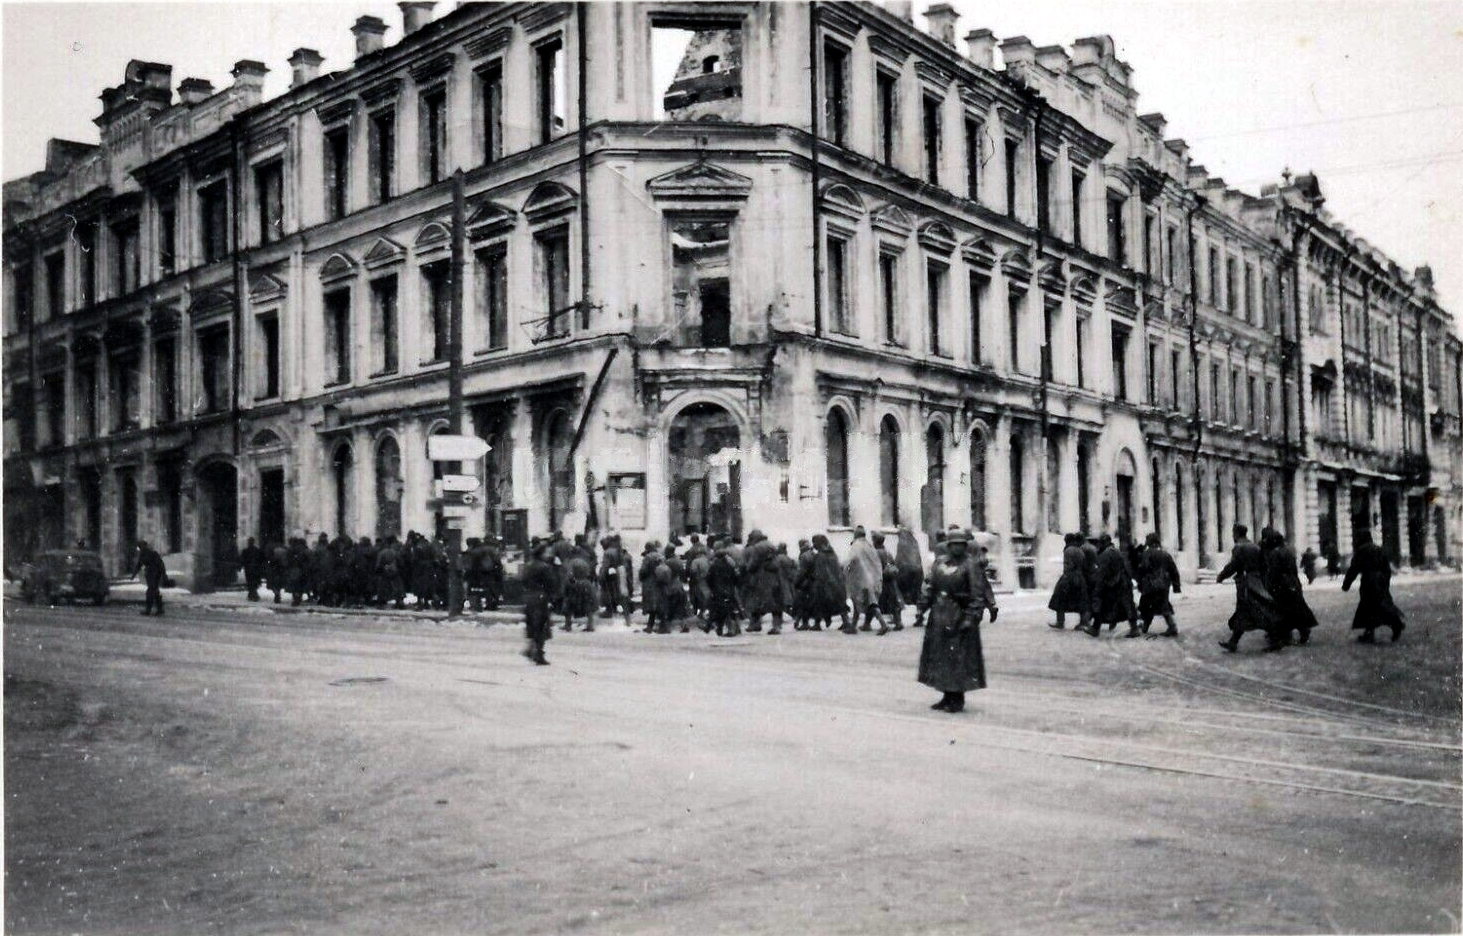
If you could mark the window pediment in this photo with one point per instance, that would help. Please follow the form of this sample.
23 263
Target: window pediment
211 302
548 200
1017 268
384 253
264 288
700 181
490 219
893 220
937 237
842 200
338 267
432 239
979 253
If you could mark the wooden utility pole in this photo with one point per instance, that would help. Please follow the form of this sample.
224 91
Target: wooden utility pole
454 386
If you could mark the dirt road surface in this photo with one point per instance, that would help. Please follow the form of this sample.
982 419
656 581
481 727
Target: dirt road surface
246 772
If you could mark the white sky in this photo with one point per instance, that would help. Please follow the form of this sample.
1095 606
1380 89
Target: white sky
1368 93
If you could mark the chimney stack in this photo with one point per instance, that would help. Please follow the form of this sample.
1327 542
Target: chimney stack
368 31
982 47
904 9
940 19
304 66
415 14
194 90
249 73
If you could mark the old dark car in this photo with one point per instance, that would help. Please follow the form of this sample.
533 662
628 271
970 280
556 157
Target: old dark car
64 575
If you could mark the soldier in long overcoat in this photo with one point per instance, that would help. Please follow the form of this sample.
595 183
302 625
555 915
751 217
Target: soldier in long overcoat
956 596
891 599
580 594
802 593
827 595
649 591
1157 573
1254 607
722 581
1375 607
540 584
911 564
1114 590
863 581
1070 594
1283 582
761 583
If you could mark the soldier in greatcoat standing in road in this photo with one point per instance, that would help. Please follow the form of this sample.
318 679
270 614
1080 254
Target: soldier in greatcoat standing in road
722 580
1375 608
1114 590
891 599
761 583
1283 583
251 558
150 564
956 595
1254 607
540 583
649 591
1157 574
911 563
828 597
863 580
1070 594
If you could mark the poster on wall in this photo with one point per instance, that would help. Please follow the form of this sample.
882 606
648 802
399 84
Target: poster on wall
627 503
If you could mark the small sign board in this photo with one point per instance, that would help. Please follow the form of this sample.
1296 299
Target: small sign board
456 511
460 483
456 448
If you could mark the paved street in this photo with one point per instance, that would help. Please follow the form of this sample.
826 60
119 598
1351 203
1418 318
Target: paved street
237 770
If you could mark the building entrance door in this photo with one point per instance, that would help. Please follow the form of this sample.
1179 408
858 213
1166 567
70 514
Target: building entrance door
1361 513
271 506
1392 526
1416 531
218 524
705 472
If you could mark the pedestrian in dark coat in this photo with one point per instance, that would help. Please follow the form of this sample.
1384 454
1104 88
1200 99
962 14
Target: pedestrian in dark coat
580 596
540 584
787 574
1308 564
673 604
279 562
911 564
1157 573
863 582
150 564
828 597
802 595
422 573
389 587
251 557
891 599
1283 583
299 566
1375 607
956 596
761 583
1114 590
1089 571
722 581
649 590
1254 607
362 572
1070 594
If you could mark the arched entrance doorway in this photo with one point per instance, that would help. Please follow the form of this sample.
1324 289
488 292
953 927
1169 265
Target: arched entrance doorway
705 471
388 488
933 507
218 524
342 472
1127 472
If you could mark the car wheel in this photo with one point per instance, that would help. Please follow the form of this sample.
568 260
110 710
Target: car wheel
99 600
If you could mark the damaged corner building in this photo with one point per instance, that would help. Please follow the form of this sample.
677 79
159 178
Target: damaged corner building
788 266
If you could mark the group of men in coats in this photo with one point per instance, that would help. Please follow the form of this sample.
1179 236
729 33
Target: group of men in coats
1097 585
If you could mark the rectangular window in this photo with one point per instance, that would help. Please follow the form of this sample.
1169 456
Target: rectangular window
383 156
1170 254
1214 277
548 84
269 195
167 233
337 171
1150 244
553 251
1176 376
491 87
1231 285
1153 378
1043 193
1117 242
973 132
1235 412
1249 287
213 368
85 380
493 280
25 299
385 344
935 274
126 391
165 378
1216 409
437 280
1013 157
55 264
1120 361
434 135
889 295
86 253
25 417
932 139
338 337
1267 303
835 92
978 286
213 213
1013 328
1252 402
838 285
1049 313
126 257
1017 472
1083 325
886 88
268 374
1269 405
1078 182
54 403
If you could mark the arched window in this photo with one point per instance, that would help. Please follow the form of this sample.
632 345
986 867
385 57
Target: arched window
1084 488
1157 477
977 482
889 472
710 64
935 478
388 488
835 441
342 469
1178 506
560 437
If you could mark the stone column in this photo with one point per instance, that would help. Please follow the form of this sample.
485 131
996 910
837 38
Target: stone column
998 497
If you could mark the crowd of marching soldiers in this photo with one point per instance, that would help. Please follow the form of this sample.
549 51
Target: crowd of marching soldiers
361 573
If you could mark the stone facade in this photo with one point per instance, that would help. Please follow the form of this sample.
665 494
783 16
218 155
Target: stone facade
907 288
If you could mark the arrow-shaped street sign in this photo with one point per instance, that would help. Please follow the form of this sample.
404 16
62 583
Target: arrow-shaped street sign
451 448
